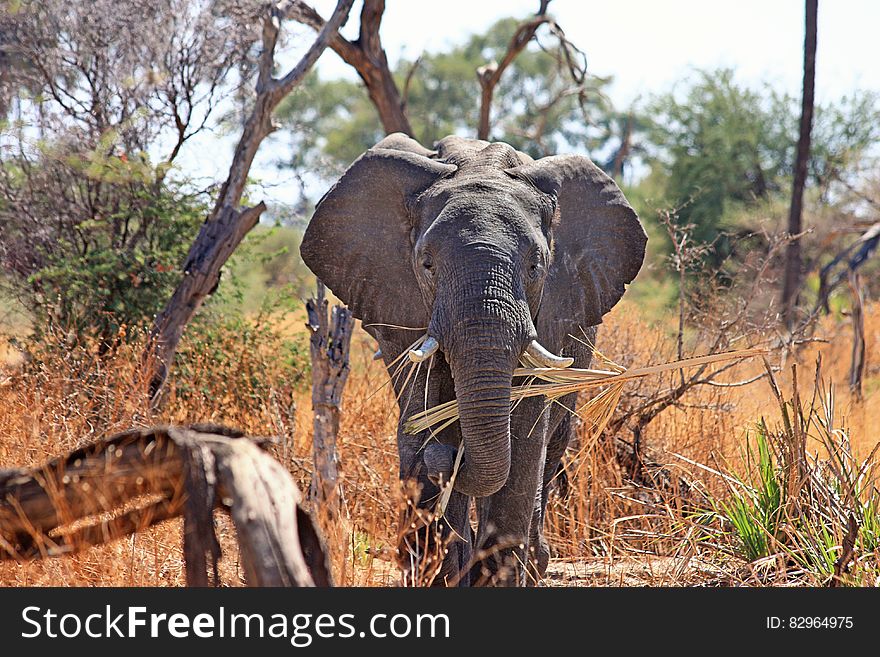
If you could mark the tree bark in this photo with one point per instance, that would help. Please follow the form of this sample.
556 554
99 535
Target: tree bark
793 266
228 224
62 507
329 347
857 364
367 56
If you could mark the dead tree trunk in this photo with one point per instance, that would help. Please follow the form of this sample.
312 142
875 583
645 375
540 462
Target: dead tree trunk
329 346
792 280
227 225
141 477
857 365
367 56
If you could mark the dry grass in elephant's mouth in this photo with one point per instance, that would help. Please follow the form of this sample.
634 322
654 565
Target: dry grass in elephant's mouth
556 383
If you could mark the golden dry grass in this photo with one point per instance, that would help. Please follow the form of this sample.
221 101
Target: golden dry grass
604 522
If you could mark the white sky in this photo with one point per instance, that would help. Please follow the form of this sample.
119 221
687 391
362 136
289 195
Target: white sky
645 45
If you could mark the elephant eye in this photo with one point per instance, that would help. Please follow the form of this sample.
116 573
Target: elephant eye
536 267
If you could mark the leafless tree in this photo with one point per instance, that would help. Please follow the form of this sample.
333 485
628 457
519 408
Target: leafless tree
133 67
228 223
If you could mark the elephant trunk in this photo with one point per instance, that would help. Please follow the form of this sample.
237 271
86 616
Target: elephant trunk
482 323
482 388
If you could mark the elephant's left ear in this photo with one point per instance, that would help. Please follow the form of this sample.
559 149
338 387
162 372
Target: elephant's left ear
599 243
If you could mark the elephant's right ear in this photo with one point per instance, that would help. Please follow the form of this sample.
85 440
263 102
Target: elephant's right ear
358 241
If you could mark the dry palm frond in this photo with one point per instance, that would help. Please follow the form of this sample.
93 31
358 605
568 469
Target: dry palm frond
401 366
597 412
446 492
561 382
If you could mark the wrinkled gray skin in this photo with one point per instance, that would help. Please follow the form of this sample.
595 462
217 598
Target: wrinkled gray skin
485 249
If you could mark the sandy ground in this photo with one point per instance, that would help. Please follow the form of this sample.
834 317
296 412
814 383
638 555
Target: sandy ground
645 570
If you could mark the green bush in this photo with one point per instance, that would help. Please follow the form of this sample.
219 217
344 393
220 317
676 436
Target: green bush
807 518
251 358
111 288
95 242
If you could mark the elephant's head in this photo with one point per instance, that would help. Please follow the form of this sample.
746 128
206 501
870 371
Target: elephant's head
490 251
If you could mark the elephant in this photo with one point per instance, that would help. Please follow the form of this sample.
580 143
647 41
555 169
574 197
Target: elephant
489 256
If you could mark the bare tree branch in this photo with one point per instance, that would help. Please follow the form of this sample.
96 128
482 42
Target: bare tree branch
228 224
408 81
490 74
367 57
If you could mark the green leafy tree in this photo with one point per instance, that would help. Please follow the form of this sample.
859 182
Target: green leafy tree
717 147
92 228
92 242
718 144
843 135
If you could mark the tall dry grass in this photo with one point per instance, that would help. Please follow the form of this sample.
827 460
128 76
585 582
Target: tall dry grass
602 531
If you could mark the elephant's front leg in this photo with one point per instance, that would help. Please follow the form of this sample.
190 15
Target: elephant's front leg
560 430
504 519
559 438
439 551
431 549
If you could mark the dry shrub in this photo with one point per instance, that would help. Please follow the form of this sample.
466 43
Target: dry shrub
68 396
608 512
63 397
70 392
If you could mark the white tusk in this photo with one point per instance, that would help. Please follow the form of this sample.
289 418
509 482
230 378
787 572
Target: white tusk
546 359
427 349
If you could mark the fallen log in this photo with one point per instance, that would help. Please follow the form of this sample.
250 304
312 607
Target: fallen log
114 487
